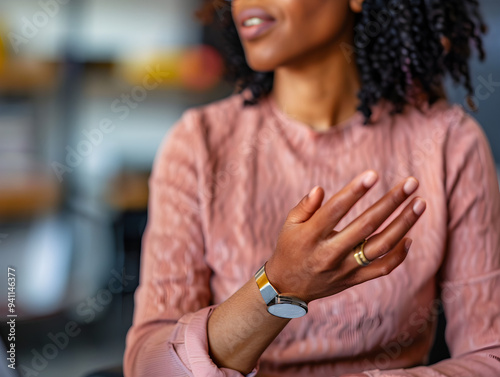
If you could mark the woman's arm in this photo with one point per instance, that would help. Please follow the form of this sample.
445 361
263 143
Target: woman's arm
171 302
240 329
312 262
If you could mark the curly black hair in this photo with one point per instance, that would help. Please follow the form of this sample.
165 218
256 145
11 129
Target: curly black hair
403 50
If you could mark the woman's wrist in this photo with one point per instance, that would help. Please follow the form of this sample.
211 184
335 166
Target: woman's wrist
240 329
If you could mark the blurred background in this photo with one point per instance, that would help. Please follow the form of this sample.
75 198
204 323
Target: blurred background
88 90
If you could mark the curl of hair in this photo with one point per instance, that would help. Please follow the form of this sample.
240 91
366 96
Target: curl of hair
403 50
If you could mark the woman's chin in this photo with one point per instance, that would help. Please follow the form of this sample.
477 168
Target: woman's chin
261 64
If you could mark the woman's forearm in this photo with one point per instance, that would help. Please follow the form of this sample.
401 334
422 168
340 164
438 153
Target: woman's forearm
240 329
318 263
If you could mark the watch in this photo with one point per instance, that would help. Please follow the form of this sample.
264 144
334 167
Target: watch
279 305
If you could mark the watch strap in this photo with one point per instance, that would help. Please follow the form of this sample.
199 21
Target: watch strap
267 291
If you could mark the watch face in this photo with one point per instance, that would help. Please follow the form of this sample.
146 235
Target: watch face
287 307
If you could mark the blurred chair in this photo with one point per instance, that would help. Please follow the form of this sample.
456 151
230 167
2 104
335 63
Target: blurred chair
112 372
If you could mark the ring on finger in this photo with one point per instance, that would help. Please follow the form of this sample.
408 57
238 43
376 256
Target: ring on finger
360 256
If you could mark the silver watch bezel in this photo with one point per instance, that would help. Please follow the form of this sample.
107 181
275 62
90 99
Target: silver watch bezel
279 305
287 307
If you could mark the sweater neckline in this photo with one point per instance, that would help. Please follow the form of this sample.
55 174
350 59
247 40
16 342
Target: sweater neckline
304 130
322 146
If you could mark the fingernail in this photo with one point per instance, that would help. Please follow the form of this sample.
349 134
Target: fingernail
410 186
313 191
369 179
408 243
419 207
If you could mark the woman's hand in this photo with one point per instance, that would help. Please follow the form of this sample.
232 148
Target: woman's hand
312 260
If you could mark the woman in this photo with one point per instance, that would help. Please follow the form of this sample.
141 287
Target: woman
299 195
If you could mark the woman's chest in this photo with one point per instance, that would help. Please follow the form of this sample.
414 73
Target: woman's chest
251 196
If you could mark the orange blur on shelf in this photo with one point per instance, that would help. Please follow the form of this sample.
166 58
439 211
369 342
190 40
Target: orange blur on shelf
28 195
197 68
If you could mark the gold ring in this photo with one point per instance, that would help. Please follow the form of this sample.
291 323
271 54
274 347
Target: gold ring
360 256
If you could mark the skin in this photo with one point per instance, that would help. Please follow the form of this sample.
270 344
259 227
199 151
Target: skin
311 260
307 64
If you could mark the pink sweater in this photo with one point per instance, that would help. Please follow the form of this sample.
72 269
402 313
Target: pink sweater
222 184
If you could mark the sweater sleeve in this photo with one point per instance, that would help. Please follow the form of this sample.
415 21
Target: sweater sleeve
470 275
168 337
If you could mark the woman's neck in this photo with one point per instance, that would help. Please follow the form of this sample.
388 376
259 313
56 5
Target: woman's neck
319 90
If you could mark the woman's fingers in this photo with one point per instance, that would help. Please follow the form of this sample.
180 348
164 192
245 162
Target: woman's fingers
327 217
386 240
306 207
384 265
369 221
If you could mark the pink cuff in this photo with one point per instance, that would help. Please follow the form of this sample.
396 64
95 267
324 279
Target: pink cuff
387 373
412 372
196 342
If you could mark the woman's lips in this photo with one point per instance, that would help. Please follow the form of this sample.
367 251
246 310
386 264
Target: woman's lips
254 22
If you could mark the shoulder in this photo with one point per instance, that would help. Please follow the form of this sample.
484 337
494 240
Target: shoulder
462 143
224 124
216 128
461 133
215 116
197 124
448 118
198 118
229 105
441 124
